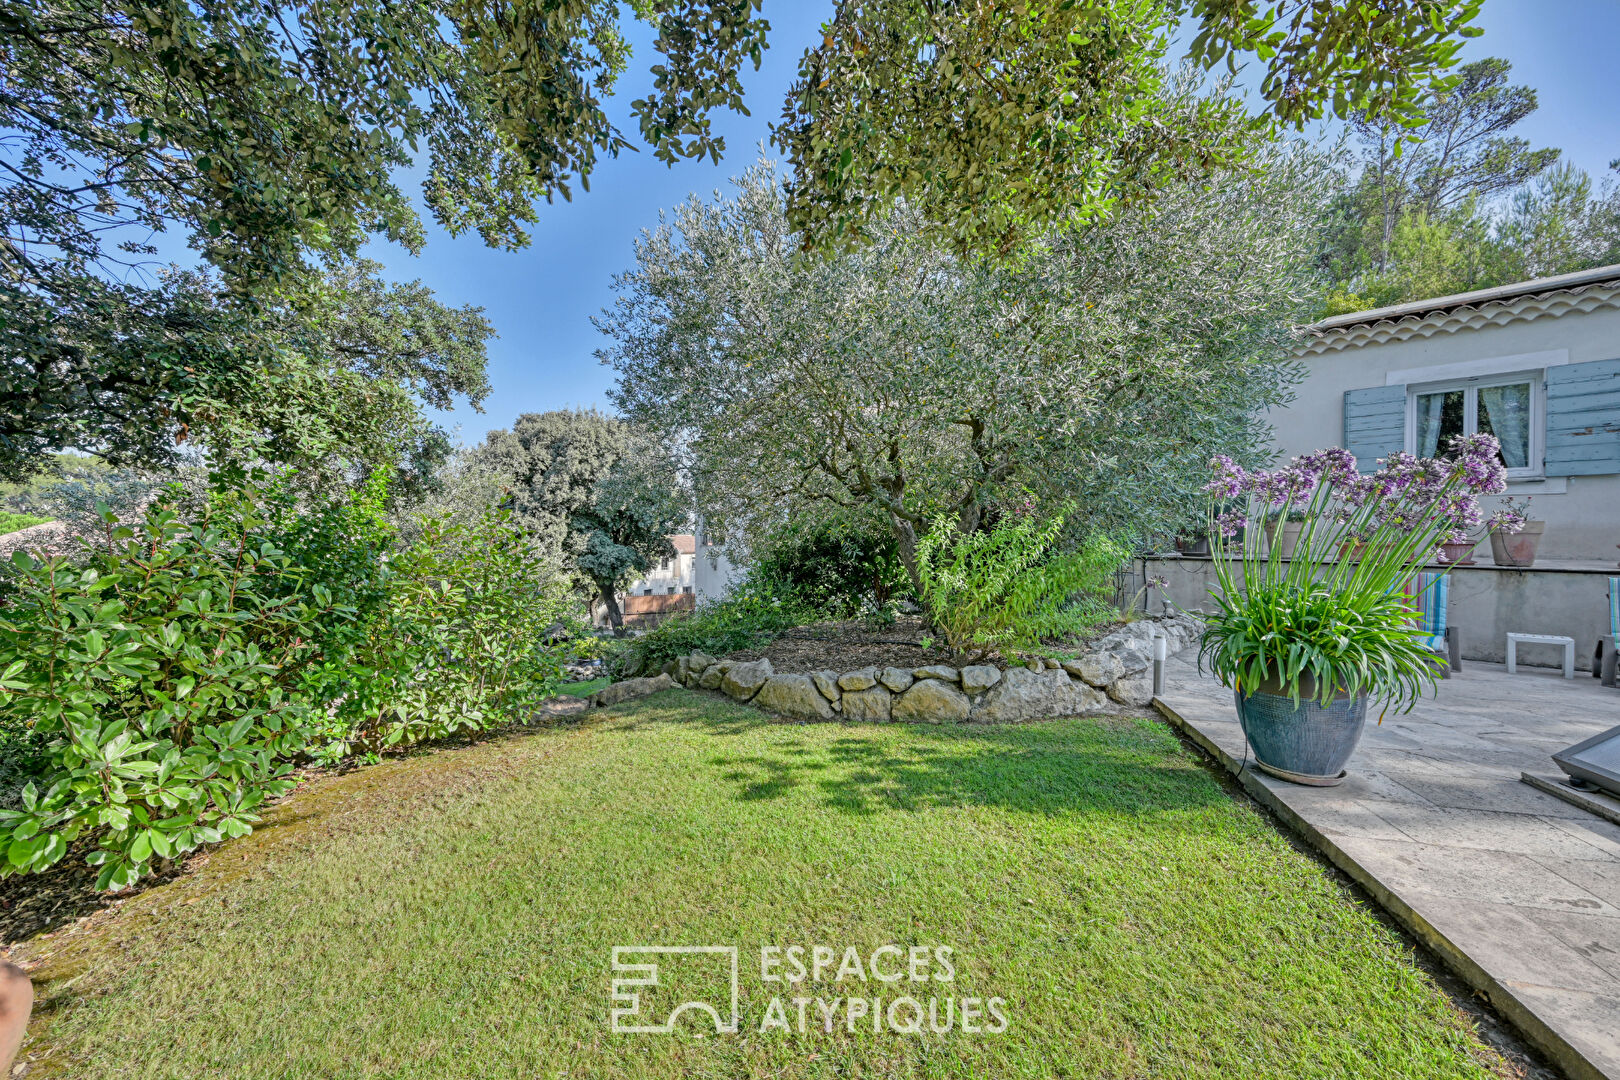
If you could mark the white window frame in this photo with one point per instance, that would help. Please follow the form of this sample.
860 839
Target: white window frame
1536 377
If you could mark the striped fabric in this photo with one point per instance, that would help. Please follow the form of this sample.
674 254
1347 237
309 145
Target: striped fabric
1614 610
1428 593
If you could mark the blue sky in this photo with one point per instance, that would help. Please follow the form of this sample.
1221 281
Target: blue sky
541 299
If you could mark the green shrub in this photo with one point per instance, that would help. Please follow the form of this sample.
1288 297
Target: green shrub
11 522
179 673
836 566
1007 587
462 642
166 671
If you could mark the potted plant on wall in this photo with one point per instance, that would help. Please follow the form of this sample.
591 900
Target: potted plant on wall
1282 529
1305 643
1517 548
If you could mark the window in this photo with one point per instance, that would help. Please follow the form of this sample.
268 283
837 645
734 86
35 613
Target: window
663 564
671 590
1507 406
646 592
686 590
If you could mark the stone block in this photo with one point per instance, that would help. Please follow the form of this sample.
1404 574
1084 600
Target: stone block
898 680
872 703
744 680
932 701
795 696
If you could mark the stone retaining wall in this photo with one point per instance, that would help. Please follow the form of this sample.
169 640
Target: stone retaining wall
1116 670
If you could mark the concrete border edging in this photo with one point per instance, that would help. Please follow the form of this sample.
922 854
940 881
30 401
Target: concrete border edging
1516 1012
1604 806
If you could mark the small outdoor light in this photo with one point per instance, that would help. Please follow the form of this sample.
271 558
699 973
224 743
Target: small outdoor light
1161 651
1594 763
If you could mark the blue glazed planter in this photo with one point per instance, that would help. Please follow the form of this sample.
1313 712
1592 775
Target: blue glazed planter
1304 743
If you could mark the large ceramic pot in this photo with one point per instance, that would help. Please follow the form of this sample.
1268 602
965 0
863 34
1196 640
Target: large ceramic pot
1517 549
1306 743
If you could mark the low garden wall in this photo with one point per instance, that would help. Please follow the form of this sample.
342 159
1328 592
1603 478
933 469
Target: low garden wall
1486 602
1115 670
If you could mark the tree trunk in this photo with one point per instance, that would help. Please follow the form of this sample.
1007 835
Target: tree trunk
610 600
905 538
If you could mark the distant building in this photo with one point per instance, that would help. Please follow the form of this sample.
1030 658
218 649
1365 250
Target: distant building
699 570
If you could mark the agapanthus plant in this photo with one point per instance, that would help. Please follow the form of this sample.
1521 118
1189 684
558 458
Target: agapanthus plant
1339 616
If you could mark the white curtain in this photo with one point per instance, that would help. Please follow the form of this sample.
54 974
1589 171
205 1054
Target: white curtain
1429 407
1505 411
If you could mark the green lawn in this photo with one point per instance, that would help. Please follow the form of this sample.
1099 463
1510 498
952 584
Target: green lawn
583 689
453 915
10 521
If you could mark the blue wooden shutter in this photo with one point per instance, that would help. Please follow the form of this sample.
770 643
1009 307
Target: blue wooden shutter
1583 419
1374 424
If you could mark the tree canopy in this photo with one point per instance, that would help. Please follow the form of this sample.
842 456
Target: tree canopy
270 138
591 491
996 120
1107 366
1469 205
331 369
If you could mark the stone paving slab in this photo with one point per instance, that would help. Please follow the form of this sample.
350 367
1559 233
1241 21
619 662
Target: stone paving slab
1515 889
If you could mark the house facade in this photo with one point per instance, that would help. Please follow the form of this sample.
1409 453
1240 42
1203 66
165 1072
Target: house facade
699 570
1537 364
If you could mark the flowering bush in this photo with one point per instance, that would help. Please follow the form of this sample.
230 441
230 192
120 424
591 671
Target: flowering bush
1337 616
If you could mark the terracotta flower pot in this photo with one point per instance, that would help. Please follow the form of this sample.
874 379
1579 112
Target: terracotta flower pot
1456 554
1517 549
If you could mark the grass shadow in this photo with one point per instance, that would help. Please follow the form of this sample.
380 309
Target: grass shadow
1119 766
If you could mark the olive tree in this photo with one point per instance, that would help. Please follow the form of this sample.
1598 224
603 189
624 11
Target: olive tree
1104 368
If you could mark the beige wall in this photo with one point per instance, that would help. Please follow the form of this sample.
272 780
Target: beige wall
1582 512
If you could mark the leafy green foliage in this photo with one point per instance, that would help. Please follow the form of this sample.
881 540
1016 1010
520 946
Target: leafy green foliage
326 102
1467 205
838 566
1009 587
325 376
182 668
997 121
897 382
269 136
1310 639
167 671
461 645
592 491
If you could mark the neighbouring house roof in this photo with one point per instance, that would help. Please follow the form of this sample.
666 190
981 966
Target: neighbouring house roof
1585 290
685 543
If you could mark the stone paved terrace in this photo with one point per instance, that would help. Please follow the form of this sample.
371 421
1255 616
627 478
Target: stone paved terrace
1515 889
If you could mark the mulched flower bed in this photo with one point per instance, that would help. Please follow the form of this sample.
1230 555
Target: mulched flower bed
845 646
